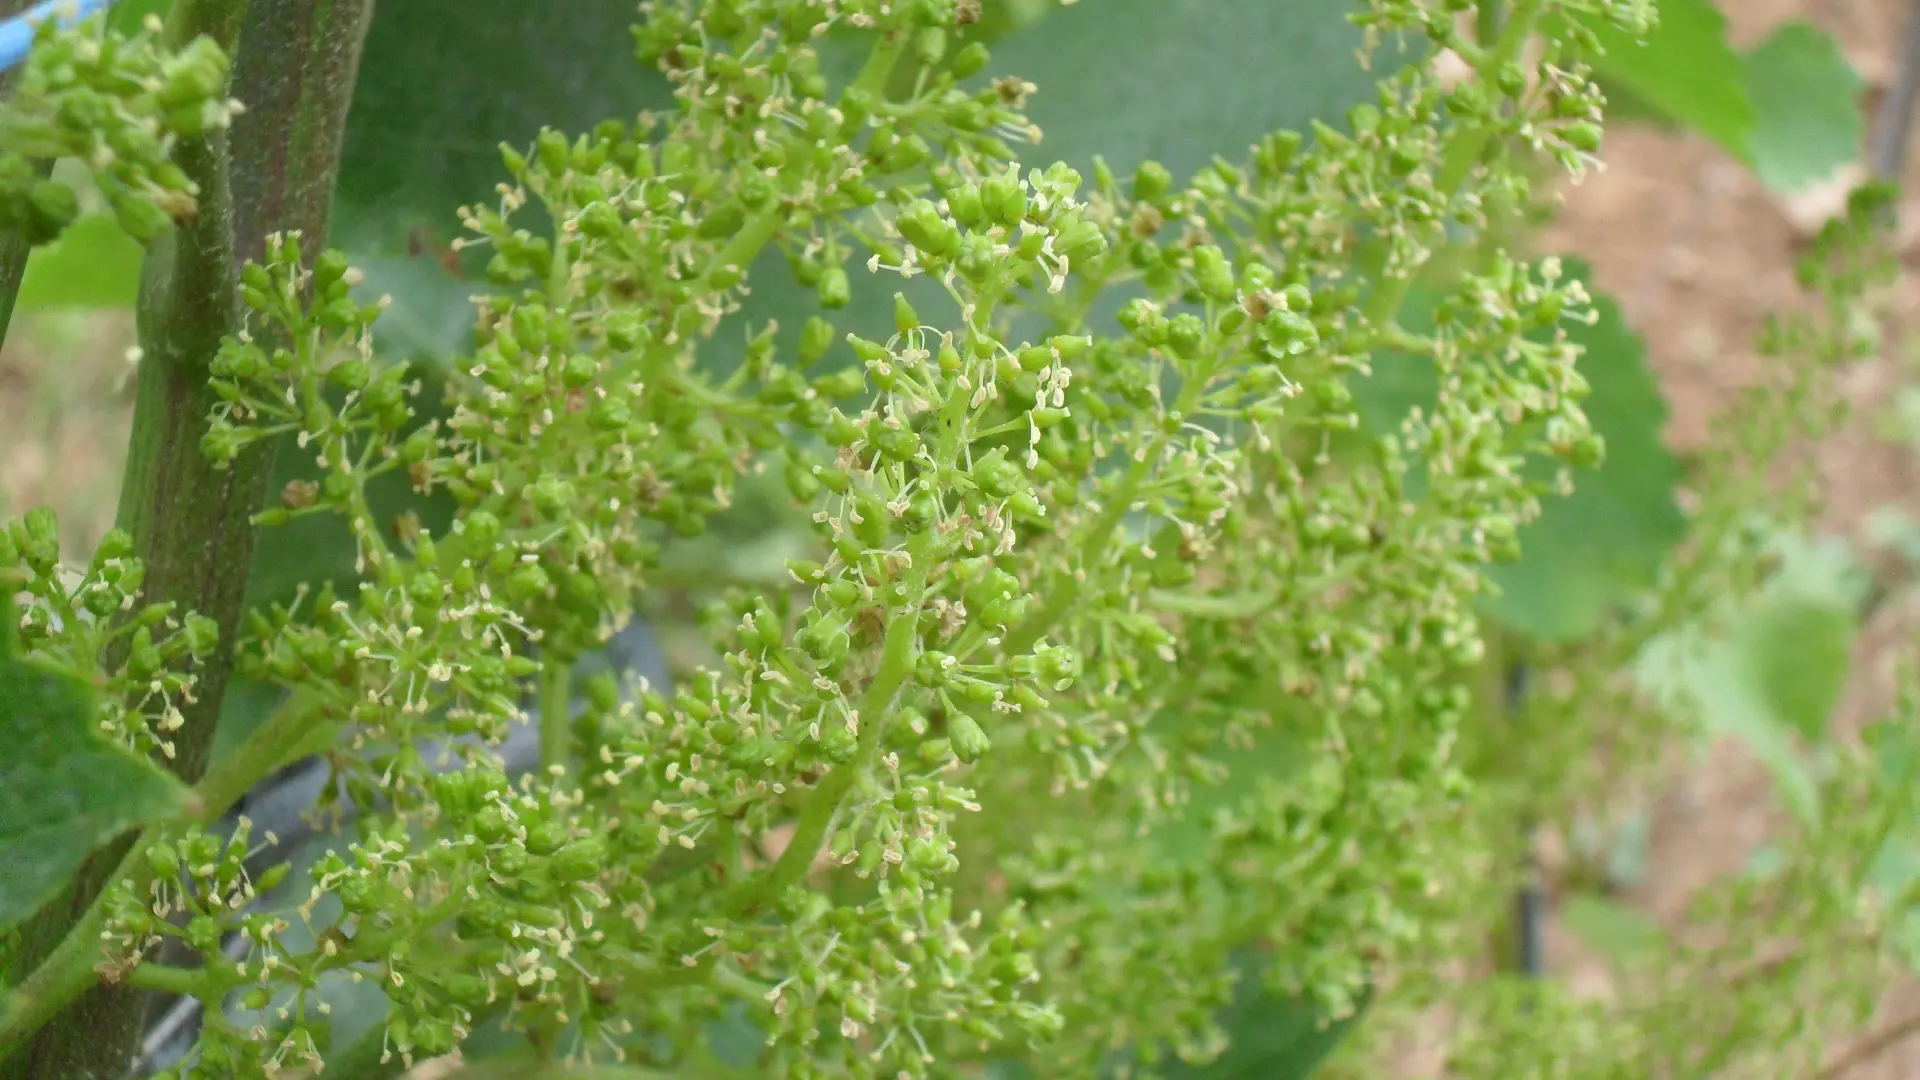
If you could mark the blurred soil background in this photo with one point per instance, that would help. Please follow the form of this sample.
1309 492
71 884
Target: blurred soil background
1695 249
1699 253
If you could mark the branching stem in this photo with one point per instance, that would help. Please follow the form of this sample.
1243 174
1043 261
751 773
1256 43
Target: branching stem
1463 152
556 714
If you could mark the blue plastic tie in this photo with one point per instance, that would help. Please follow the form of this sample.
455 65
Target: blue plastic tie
17 33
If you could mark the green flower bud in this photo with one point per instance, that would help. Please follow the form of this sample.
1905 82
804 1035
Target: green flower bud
841 845
970 61
997 476
1187 335
908 154
838 744
350 374
329 269
1005 198
51 207
1277 152
601 221
723 222
869 352
835 290
1081 239
964 203
1212 273
816 337
923 226
554 154
1151 182
193 75
905 319
970 743
1583 136
271 877
581 860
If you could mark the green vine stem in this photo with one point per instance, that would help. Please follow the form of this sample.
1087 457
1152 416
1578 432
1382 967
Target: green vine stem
273 172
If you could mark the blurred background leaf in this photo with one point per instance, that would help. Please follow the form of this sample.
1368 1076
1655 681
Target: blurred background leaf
1686 71
444 82
431 313
94 264
1806 101
1769 672
1171 80
1789 108
1623 934
1274 1037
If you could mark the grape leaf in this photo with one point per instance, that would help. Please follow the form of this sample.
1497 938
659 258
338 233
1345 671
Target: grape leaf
1624 934
1796 645
444 82
94 264
1271 1038
1806 100
430 313
1685 70
1769 671
1178 81
68 791
1799 650
1587 550
1274 1037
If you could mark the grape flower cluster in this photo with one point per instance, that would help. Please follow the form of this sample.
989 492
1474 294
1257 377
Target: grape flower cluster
1123 646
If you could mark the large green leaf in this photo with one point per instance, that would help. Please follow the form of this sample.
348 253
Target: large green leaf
1806 100
1685 70
94 264
68 791
1790 108
1179 81
1587 551
1272 1038
444 82
1795 647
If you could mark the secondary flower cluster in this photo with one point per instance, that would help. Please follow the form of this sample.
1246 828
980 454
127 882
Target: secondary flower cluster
119 105
91 624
